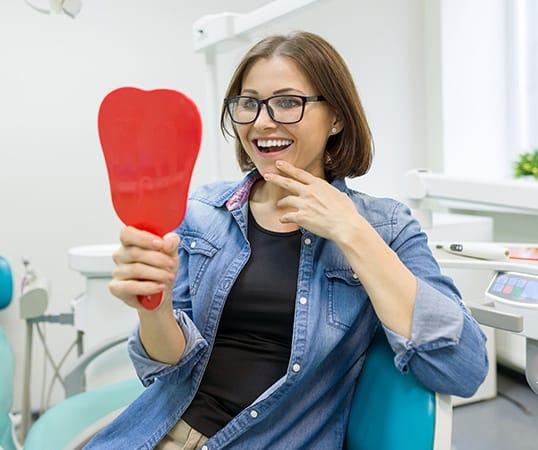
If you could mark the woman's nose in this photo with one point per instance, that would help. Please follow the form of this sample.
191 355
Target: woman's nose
264 120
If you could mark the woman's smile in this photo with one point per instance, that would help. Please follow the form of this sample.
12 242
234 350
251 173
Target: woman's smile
272 145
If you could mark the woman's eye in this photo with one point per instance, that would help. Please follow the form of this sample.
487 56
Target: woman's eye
288 102
248 104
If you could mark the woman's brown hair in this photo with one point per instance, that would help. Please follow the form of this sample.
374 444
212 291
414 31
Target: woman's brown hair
348 153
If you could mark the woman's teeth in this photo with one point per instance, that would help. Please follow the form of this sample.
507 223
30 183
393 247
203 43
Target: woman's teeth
272 145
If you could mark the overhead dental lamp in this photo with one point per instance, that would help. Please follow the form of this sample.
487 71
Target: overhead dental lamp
68 7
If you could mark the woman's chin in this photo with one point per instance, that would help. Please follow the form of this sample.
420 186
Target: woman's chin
267 170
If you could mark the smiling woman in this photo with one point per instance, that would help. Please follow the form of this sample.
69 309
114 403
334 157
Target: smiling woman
275 286
293 62
282 119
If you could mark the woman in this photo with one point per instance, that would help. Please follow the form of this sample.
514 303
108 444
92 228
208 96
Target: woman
280 280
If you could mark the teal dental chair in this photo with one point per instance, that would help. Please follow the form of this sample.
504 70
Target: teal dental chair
7 370
7 361
390 411
72 422
393 411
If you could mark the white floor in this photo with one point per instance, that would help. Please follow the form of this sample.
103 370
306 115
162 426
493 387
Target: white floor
507 422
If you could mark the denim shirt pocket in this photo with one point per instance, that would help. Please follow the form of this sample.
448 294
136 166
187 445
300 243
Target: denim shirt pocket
345 297
199 253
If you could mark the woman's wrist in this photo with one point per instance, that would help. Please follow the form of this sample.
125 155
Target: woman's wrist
351 236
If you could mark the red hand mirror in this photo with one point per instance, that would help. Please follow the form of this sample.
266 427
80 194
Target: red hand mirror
150 141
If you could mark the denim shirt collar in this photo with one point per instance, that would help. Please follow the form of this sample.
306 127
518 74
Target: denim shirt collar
238 194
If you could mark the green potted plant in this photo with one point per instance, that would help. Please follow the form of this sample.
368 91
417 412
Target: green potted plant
527 165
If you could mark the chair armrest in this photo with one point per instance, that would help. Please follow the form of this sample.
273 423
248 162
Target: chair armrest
74 380
443 422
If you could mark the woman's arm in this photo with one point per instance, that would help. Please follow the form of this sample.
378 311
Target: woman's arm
427 324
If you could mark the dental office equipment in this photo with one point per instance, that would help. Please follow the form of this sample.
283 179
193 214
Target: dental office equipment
481 250
33 304
511 204
70 8
99 315
90 312
524 252
510 303
509 195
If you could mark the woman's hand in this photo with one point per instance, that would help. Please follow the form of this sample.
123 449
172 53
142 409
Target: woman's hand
145 264
315 205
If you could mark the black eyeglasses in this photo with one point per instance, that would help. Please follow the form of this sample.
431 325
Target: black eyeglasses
283 109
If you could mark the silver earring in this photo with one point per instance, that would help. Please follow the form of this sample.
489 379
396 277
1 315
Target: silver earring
333 130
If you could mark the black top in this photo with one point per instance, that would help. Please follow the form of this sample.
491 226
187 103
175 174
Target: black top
253 342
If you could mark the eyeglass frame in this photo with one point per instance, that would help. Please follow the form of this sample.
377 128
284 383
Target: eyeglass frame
265 101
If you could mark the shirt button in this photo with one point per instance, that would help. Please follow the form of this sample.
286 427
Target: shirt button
193 244
355 276
296 367
303 300
308 241
253 413
205 447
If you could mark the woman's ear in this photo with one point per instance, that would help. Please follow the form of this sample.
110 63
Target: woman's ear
337 126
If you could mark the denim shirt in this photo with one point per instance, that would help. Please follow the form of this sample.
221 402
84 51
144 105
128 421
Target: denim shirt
333 325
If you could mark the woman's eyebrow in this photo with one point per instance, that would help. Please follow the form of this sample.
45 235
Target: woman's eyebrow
286 90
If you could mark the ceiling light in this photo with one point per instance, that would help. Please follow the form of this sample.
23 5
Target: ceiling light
69 7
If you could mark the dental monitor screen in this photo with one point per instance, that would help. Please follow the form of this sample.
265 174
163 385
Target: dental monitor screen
515 288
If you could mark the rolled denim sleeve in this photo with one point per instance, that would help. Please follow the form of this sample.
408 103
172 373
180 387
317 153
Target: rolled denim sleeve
447 347
437 323
148 369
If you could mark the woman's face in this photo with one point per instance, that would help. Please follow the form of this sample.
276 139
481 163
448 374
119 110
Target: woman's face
265 141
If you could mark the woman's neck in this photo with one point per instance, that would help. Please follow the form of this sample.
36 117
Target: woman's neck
263 206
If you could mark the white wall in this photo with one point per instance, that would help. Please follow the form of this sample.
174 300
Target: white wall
474 88
523 80
55 72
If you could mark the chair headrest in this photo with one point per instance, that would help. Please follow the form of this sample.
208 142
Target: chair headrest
6 283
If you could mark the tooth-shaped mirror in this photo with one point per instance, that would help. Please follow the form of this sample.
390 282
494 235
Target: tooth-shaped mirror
150 141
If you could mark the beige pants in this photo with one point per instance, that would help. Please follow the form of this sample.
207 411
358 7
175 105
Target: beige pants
181 437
